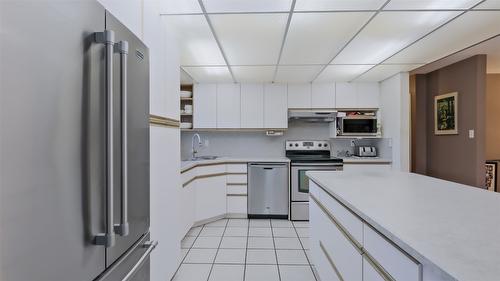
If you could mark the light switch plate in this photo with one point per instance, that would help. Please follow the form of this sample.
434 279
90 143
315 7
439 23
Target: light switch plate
471 134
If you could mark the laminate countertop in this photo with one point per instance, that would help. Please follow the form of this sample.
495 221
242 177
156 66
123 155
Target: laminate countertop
186 165
451 228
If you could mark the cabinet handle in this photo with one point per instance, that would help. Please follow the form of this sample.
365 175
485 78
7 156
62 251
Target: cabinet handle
332 264
107 37
380 270
122 228
150 247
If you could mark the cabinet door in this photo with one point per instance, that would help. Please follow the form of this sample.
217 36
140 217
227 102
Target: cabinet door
205 106
299 95
210 197
252 106
345 95
228 105
275 106
368 95
370 273
323 95
187 215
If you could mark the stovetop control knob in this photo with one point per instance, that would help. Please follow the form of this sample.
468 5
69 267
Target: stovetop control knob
291 144
319 144
325 144
296 145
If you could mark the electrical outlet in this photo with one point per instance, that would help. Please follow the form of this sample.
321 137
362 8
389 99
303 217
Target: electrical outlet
353 143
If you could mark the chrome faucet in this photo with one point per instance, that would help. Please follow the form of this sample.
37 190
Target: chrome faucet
194 151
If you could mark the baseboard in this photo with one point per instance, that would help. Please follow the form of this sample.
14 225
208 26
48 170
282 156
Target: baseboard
236 216
212 219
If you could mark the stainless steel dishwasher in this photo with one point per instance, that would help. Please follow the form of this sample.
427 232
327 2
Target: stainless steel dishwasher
268 190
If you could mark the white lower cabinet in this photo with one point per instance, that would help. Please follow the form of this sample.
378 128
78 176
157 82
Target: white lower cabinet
369 272
397 263
187 206
236 204
210 197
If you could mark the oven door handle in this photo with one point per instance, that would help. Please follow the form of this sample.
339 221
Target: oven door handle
317 165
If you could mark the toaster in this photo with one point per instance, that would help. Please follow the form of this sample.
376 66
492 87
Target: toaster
365 151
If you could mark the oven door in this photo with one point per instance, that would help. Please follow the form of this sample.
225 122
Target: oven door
300 182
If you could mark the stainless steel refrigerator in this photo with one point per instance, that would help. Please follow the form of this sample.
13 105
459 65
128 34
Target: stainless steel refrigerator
74 174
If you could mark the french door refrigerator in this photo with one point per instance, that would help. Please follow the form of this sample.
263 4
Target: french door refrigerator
74 111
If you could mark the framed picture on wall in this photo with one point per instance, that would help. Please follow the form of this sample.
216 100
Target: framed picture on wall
491 175
446 114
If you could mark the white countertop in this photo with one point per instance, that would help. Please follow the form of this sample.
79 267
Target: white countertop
185 165
453 228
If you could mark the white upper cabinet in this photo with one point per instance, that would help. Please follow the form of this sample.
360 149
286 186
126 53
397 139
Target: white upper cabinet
275 106
205 106
252 106
323 95
345 95
357 95
228 105
299 95
368 95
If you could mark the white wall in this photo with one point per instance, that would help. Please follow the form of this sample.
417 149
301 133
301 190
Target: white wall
395 113
142 17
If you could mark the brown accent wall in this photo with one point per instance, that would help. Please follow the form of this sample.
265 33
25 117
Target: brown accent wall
493 117
456 158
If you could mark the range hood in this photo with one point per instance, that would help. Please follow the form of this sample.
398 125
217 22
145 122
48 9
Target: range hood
312 115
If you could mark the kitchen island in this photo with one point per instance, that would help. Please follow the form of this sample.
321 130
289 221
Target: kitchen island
402 226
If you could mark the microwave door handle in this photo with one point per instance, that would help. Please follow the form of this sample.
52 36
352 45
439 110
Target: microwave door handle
122 228
107 37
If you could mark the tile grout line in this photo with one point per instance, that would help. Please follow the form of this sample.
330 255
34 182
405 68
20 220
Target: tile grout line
187 253
304 250
246 251
217 252
275 251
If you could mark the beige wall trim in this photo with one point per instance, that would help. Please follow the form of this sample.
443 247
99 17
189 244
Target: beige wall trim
210 176
213 164
161 121
237 195
236 183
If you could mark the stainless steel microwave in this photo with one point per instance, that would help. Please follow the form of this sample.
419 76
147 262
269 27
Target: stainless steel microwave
357 125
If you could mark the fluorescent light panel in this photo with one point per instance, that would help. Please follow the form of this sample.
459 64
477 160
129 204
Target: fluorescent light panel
209 74
223 6
382 72
332 5
342 73
315 38
430 4
250 39
387 33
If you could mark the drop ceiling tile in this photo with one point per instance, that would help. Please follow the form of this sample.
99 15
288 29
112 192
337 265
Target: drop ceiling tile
490 4
342 73
384 71
253 74
210 74
331 32
297 74
389 32
463 32
331 5
222 6
430 4
250 39
196 42
179 6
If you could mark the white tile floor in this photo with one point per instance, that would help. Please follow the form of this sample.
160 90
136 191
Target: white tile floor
247 250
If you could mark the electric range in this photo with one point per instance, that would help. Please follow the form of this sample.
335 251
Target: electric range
307 155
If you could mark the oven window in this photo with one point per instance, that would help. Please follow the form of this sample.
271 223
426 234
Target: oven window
303 182
360 126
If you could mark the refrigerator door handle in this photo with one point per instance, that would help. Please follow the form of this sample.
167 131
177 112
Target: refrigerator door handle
107 37
122 228
150 247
